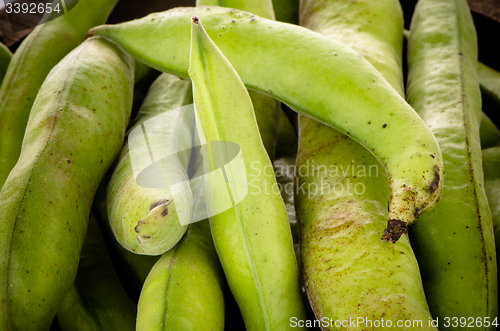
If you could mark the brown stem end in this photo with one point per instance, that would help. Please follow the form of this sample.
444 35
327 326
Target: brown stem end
395 229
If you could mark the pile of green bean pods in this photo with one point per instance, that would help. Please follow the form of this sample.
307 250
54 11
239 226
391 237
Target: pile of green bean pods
260 165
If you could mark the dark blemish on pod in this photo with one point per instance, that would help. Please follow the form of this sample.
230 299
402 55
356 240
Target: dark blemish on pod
195 19
435 182
158 203
416 212
233 21
384 126
147 237
164 212
432 156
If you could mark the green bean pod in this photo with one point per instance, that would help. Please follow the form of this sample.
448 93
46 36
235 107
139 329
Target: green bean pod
252 237
96 301
183 291
314 75
454 243
74 133
44 47
146 220
5 58
267 109
341 197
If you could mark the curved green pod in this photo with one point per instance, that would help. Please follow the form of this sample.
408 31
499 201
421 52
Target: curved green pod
75 132
267 109
5 58
44 47
314 75
96 301
183 291
454 243
252 237
342 193
146 220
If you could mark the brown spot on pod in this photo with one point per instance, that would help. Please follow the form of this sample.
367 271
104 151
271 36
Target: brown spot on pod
435 182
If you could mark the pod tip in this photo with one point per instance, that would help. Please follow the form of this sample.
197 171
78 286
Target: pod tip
195 19
395 229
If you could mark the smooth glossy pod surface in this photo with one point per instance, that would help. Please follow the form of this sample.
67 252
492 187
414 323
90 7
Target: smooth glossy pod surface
252 237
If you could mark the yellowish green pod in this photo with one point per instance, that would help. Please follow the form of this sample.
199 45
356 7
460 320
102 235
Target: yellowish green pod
252 237
146 220
97 300
454 243
184 290
75 132
342 192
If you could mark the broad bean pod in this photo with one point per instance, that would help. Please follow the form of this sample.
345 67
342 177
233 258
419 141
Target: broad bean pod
341 199
146 220
314 75
454 243
252 237
75 132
